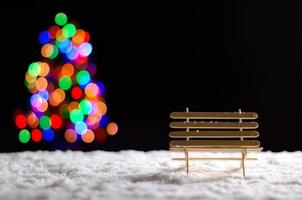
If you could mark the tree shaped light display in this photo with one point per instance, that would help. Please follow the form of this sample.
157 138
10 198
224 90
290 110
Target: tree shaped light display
65 101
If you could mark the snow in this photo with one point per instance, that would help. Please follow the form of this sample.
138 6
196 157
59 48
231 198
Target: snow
145 175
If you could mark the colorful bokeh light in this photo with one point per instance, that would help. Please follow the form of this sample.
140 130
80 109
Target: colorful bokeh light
88 136
60 19
36 135
44 37
112 128
70 136
65 100
24 136
76 115
48 135
20 121
83 77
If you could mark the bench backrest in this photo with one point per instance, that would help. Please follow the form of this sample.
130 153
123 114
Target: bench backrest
210 126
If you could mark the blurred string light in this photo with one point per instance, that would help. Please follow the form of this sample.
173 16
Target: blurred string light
65 101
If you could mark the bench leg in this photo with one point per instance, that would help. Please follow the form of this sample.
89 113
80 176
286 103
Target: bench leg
187 160
243 158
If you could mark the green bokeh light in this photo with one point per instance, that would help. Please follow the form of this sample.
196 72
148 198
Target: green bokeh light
61 19
65 82
45 122
34 69
83 77
24 136
76 115
69 30
86 107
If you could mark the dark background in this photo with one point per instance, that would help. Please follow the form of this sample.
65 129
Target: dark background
157 57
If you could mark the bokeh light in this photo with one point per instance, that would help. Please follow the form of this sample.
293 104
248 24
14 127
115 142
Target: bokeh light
79 37
67 69
69 30
34 69
56 121
76 93
32 120
73 105
76 115
44 37
88 136
85 49
112 128
70 136
20 121
24 136
56 97
60 19
44 69
36 135
83 77
48 135
86 107
65 82
41 83
80 127
91 90
47 50
45 122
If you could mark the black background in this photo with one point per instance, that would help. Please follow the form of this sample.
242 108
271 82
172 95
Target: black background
156 57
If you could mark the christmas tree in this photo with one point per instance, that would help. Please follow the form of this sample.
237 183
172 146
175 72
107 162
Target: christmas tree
65 101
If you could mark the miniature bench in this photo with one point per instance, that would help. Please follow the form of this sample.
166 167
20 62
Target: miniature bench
215 132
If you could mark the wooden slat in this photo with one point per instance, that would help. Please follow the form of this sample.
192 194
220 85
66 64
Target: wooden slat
214 125
214 143
217 149
214 134
213 115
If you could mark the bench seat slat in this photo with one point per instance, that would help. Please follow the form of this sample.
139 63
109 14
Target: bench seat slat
215 143
213 115
214 125
214 134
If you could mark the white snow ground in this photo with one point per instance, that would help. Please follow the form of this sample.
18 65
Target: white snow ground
145 175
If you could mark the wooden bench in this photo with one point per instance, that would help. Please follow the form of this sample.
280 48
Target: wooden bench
214 132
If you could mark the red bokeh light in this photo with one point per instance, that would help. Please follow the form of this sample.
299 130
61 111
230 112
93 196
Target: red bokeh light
36 135
21 121
56 121
76 93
